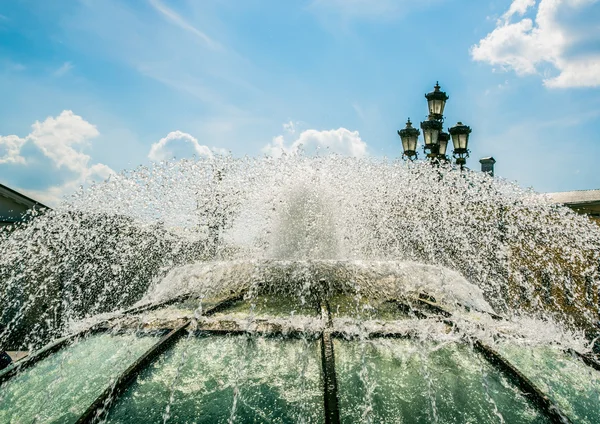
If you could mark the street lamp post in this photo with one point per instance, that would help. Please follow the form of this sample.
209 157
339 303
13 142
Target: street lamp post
436 102
460 140
436 140
443 139
431 131
409 137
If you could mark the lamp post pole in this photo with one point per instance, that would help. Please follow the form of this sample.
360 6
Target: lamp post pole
436 140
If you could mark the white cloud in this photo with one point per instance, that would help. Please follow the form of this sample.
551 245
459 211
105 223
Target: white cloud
584 72
12 66
358 109
290 127
183 24
518 7
178 144
220 151
60 141
340 141
10 149
526 46
167 43
56 138
64 69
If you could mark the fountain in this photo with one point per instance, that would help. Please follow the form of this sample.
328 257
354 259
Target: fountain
301 289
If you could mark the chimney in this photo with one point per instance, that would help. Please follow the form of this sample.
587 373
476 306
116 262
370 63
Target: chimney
487 165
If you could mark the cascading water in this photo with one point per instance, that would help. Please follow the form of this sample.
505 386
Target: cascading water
296 226
109 245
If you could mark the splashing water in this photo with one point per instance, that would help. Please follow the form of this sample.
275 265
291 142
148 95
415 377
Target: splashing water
373 226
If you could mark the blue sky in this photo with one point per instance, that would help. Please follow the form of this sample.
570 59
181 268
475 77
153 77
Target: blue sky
90 87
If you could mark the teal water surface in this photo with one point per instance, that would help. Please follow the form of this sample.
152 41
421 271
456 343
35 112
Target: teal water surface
228 379
62 386
406 381
574 386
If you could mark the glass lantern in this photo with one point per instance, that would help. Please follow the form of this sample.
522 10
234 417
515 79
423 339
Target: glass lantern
409 137
436 102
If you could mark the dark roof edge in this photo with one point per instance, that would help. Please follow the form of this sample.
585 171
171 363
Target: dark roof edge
22 196
574 191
